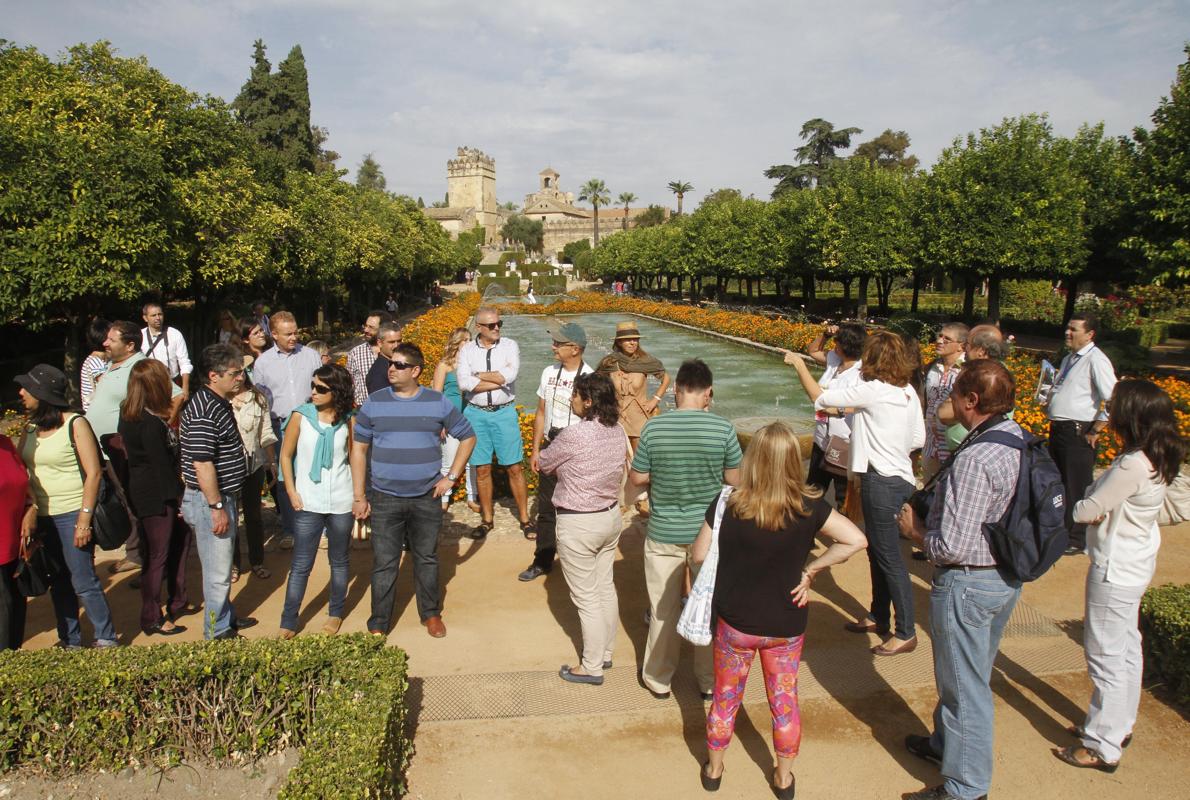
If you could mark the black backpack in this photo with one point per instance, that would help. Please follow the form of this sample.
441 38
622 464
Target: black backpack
1032 534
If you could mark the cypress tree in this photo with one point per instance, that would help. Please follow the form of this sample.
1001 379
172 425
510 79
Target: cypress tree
291 105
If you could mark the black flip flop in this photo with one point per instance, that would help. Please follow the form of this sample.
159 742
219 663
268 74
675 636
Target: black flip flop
529 529
481 530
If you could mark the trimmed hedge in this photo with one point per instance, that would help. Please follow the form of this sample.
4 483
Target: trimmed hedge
340 699
549 284
1165 623
510 285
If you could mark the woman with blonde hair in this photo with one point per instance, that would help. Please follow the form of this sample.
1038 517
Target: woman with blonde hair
886 427
446 381
155 494
767 529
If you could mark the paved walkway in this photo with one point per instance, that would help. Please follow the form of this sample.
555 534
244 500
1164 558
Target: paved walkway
492 720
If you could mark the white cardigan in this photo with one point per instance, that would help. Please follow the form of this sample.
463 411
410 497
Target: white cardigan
1128 497
886 427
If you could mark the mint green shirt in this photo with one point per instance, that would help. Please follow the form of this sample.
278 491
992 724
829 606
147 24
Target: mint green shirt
685 453
110 390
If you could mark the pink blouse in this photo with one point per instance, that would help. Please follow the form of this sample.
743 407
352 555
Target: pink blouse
589 459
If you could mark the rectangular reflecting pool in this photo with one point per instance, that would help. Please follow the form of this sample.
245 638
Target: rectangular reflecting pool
748 382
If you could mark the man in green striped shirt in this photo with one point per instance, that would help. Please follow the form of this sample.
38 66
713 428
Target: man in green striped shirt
684 457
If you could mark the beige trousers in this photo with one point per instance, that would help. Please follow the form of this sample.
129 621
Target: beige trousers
664 565
587 550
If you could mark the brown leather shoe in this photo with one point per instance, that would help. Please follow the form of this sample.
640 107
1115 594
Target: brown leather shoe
899 647
435 627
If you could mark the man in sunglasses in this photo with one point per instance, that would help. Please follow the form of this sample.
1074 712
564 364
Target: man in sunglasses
487 372
388 338
398 436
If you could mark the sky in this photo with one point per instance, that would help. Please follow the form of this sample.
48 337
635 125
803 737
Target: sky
644 92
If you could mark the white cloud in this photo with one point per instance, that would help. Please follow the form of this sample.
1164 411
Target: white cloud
644 93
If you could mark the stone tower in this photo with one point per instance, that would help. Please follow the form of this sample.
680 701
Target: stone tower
471 183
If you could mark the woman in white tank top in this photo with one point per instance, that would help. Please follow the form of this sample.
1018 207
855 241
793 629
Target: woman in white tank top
317 474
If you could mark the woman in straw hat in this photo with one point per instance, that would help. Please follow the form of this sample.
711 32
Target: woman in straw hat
629 367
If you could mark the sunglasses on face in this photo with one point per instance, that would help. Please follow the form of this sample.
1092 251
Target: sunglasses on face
495 324
400 365
319 388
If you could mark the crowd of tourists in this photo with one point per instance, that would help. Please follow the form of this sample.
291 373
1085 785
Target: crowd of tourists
729 555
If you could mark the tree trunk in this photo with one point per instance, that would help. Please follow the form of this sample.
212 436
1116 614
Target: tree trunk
861 300
679 287
749 280
885 284
846 290
1071 285
969 297
994 298
596 207
71 340
809 293
916 291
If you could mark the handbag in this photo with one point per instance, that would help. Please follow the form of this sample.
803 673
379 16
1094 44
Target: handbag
111 520
836 455
35 570
695 623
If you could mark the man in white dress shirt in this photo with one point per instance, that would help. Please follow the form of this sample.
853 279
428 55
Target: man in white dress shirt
166 345
487 372
1078 413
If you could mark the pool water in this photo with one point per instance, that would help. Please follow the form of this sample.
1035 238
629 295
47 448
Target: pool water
748 382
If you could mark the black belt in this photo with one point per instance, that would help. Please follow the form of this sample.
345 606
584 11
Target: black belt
493 408
967 567
597 511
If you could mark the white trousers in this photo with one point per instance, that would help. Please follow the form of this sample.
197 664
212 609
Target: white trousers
1114 662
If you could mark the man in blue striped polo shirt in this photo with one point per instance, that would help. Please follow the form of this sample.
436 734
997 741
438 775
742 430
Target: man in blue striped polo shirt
398 433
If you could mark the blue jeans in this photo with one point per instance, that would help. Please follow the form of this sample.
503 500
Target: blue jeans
307 532
413 522
77 584
968 612
882 498
284 507
215 553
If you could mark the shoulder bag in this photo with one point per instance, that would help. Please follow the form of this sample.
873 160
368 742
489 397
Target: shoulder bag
111 521
695 623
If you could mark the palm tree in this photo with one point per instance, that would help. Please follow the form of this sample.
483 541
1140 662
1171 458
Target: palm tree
625 198
594 192
814 157
680 188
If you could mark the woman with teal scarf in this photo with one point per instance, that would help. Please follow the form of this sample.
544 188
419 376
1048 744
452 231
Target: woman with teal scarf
317 476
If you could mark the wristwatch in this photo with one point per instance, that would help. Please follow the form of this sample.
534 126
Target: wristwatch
452 477
217 506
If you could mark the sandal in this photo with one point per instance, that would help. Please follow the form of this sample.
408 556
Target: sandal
481 530
1077 732
1084 758
529 529
260 572
235 574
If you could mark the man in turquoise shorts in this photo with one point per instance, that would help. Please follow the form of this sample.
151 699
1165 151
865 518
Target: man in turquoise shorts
684 457
487 371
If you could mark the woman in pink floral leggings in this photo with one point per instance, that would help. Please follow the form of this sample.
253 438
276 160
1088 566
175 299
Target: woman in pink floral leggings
761 588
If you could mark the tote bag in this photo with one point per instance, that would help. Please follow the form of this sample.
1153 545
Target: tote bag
695 623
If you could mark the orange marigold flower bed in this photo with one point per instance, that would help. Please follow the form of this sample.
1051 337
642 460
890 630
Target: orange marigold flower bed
431 330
